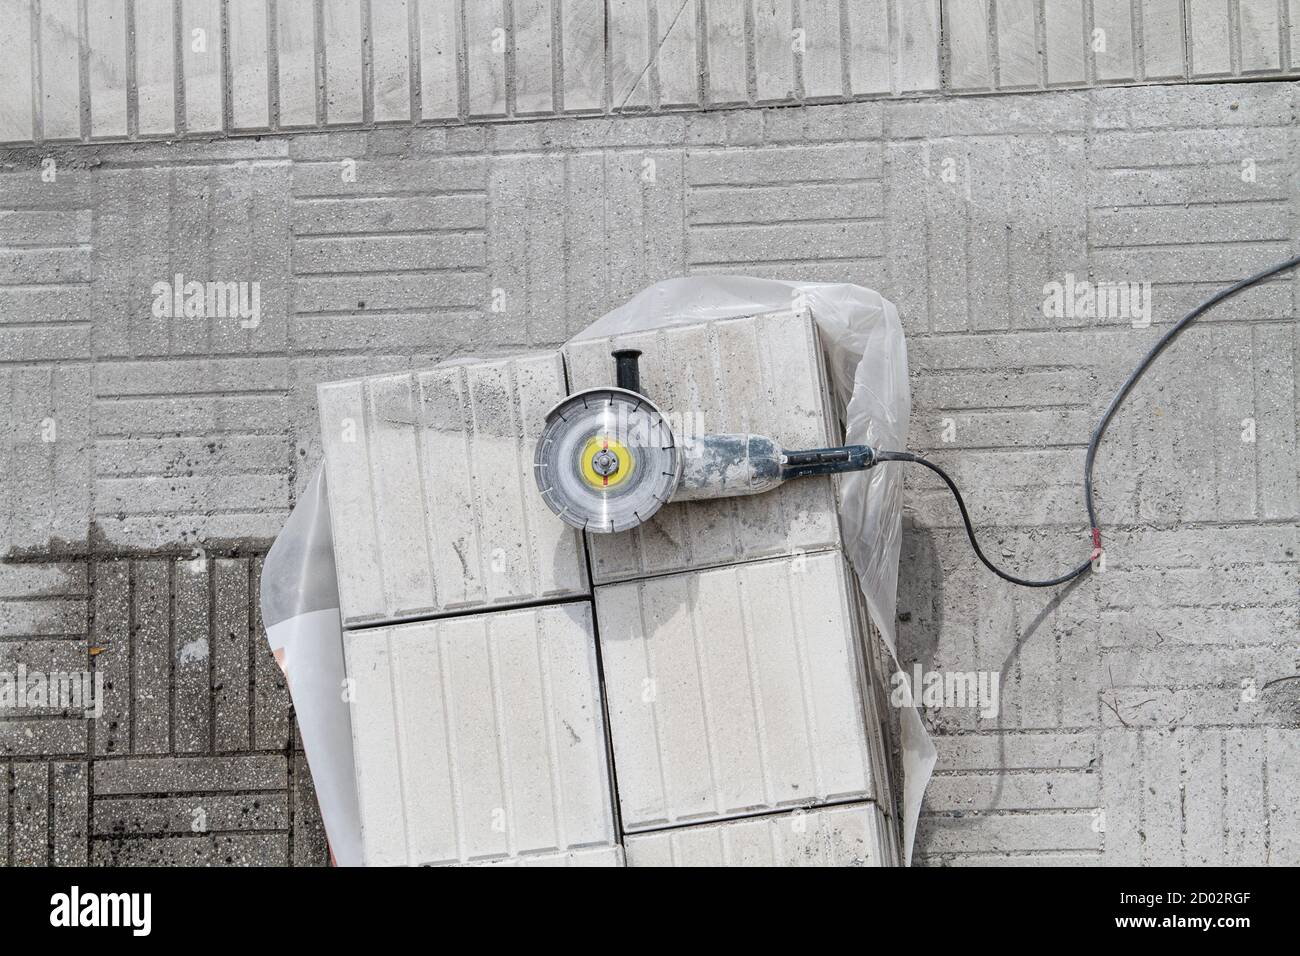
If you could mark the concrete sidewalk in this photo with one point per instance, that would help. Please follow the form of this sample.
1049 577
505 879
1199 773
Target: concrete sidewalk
148 461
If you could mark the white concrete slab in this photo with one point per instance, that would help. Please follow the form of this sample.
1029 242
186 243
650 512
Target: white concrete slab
201 65
344 66
480 737
59 54
390 41
761 374
296 39
431 491
248 29
736 691
850 835
439 80
16 108
106 66
155 57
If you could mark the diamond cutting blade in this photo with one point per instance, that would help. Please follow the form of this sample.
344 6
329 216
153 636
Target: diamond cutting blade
606 460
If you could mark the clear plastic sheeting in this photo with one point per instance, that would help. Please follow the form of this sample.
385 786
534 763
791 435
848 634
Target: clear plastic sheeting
300 609
867 361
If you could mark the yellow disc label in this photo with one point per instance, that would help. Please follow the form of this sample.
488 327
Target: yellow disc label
597 444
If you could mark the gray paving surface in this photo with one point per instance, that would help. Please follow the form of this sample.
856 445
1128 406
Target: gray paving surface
193 758
119 69
147 462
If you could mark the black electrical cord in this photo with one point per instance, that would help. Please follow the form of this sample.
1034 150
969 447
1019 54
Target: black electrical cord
1097 434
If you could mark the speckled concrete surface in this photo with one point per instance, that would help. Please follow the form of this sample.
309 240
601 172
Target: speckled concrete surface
1148 715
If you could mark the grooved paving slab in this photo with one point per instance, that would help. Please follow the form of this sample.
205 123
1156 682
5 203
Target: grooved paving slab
44 624
331 63
852 835
184 665
761 374
480 737
46 264
735 691
186 752
430 486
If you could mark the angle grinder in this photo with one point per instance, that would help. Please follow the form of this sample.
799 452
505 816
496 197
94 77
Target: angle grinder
608 459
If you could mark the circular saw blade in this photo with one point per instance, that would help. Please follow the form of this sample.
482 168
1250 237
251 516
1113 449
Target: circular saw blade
606 460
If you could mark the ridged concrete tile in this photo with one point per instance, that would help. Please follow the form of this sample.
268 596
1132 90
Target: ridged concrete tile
184 666
430 484
735 691
851 835
761 374
480 737
16 53
331 63
46 262
44 619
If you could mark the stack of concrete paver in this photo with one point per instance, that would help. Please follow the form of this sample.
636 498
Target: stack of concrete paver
698 691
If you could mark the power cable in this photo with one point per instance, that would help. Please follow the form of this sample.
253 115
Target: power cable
1091 457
